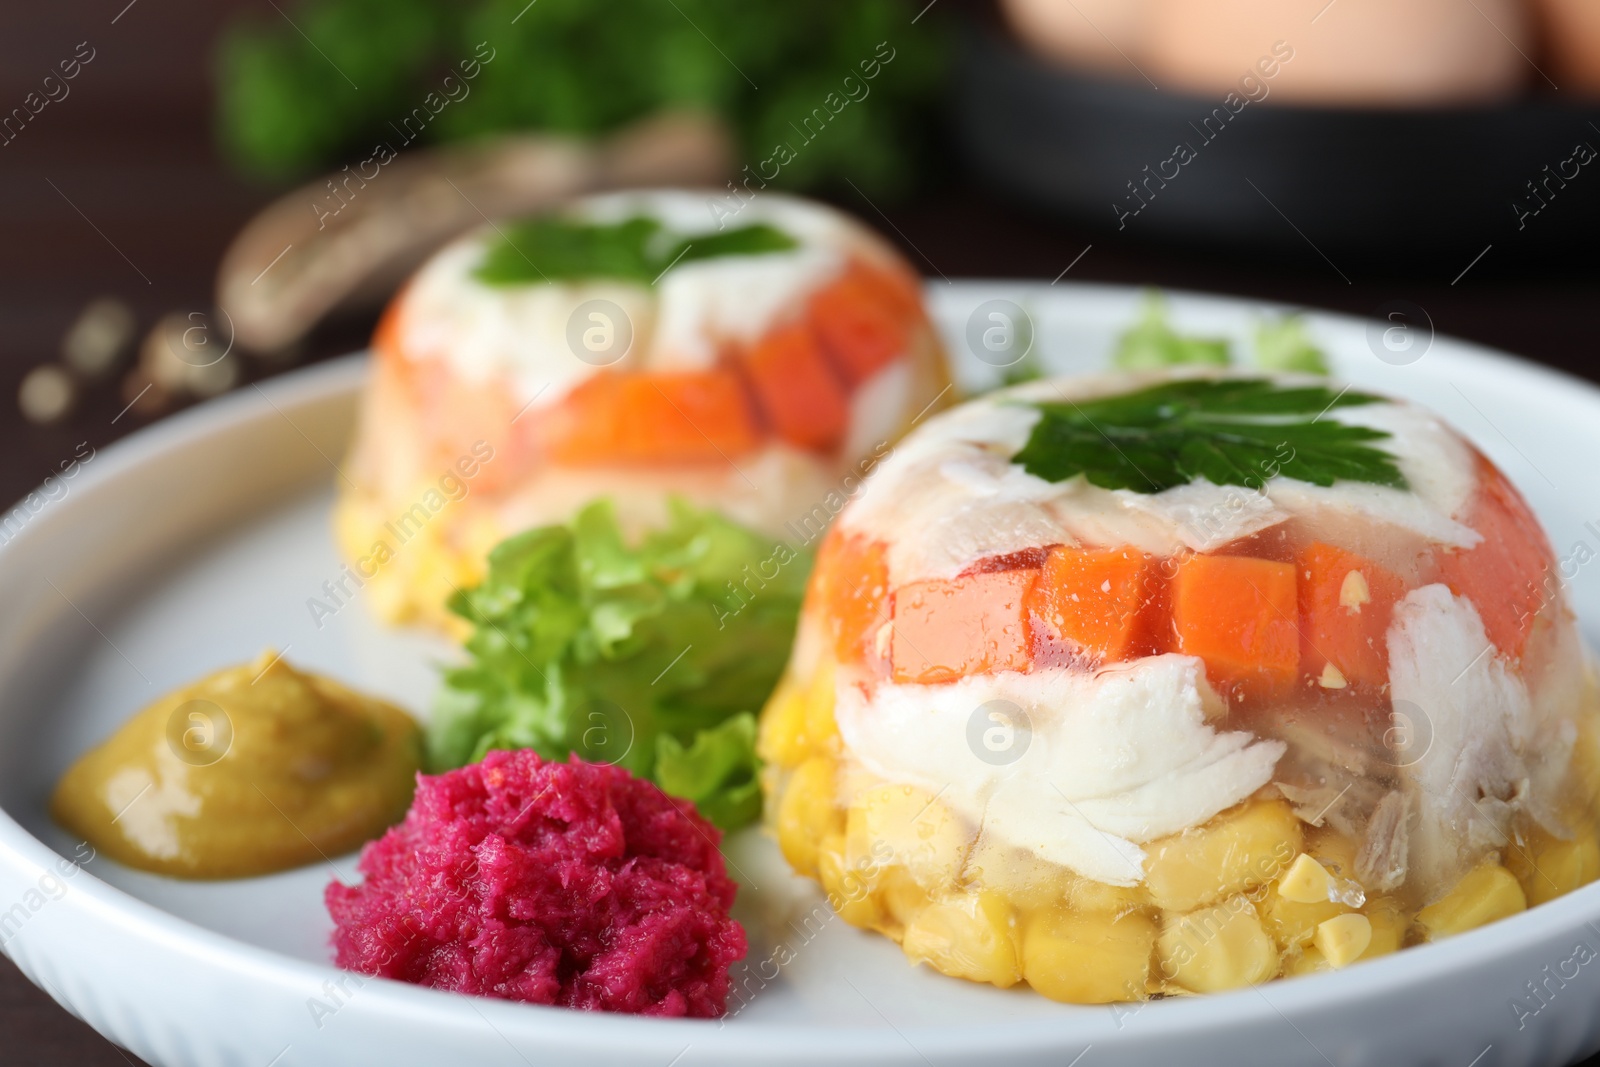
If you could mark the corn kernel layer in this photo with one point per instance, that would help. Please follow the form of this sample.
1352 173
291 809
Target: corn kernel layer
1252 895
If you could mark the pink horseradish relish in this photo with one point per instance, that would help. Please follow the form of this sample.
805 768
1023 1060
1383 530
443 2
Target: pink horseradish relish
573 883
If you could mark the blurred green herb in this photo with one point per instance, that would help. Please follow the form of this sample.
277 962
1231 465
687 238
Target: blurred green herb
1151 343
293 97
551 248
1282 345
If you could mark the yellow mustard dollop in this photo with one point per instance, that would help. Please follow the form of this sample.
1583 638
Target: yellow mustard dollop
253 769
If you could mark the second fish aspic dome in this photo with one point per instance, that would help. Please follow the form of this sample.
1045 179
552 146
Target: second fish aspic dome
1139 685
629 347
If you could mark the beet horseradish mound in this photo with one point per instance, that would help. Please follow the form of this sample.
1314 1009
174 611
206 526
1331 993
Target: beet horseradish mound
1146 685
552 883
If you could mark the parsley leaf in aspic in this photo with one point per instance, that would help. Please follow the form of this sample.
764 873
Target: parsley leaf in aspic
552 248
1231 431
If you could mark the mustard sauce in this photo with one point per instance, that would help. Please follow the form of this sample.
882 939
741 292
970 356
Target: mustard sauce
253 769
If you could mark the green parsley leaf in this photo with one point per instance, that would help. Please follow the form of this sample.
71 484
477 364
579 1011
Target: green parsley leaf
1282 345
1231 431
1151 343
549 248
742 241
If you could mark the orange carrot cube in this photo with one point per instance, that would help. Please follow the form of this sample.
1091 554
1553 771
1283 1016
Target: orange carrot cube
947 629
852 583
1239 615
861 318
1092 599
1346 604
803 400
636 417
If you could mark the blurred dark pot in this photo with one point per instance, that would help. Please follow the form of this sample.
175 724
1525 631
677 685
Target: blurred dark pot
1415 192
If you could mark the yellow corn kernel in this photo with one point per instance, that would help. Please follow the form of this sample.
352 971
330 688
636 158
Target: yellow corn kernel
1343 939
1215 948
1585 772
1238 850
1336 852
968 935
910 828
1305 882
1484 894
1293 923
900 899
806 813
1088 958
1389 925
1086 894
782 738
1548 867
1305 960
849 889
821 730
1031 884
1353 592
1027 882
853 780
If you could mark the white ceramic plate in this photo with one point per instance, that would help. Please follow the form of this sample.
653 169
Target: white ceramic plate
197 543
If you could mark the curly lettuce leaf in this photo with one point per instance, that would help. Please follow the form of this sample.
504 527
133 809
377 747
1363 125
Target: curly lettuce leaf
1282 344
717 772
584 643
1151 343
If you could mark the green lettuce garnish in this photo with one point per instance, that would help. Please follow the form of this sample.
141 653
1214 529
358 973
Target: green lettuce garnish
717 772
1283 345
644 655
1151 343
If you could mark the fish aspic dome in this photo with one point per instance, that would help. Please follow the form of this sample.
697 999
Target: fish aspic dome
632 346
1146 684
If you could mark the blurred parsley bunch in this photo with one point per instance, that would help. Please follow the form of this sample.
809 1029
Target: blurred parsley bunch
296 97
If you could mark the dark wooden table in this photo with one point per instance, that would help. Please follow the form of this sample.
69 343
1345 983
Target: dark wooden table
116 190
